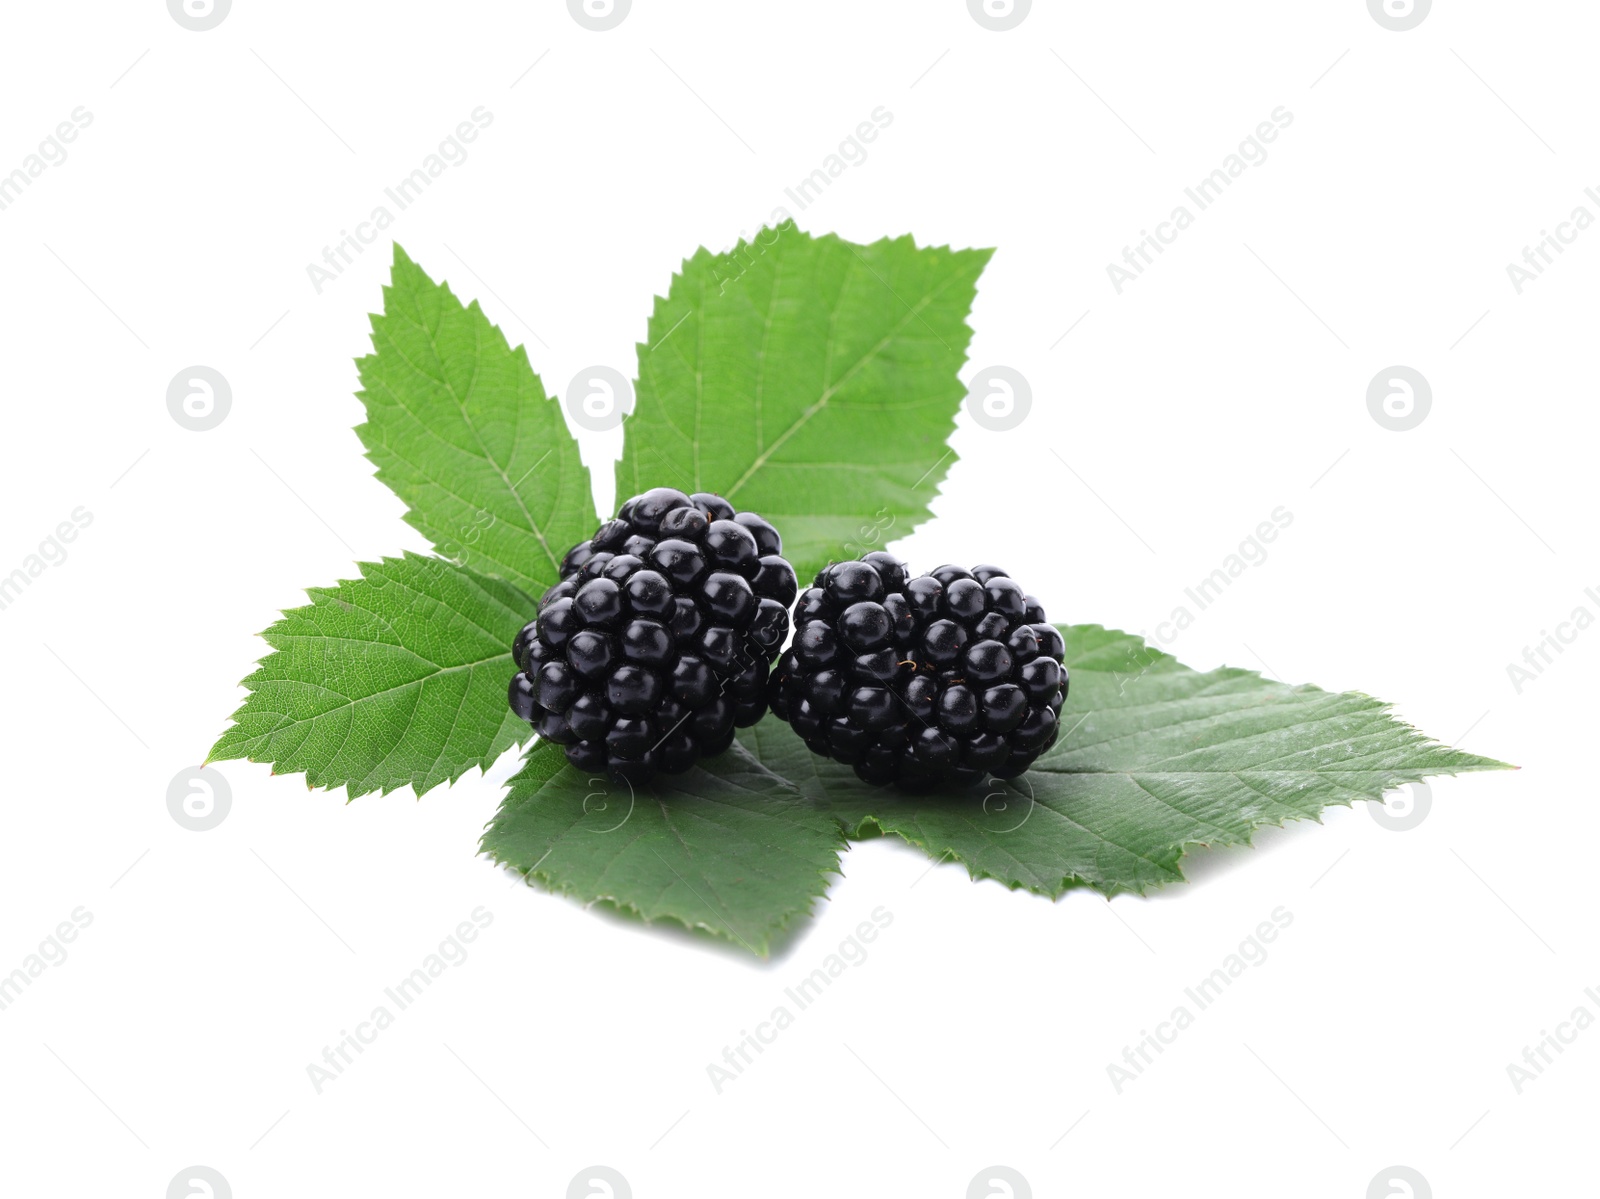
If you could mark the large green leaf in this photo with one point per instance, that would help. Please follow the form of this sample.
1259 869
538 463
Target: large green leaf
808 379
1153 758
728 847
396 678
460 428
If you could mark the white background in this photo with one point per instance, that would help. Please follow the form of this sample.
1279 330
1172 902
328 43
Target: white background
1228 380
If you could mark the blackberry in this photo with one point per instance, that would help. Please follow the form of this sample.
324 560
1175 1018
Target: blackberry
942 678
656 643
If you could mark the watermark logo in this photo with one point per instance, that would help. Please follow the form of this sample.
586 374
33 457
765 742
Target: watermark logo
1399 398
199 1182
197 16
599 398
1399 1182
199 798
852 152
1007 806
1397 16
999 1182
599 15
199 398
753 1042
599 1182
1404 809
999 398
999 15
603 809
1152 1043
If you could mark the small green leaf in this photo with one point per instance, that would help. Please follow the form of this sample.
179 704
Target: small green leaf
728 847
460 429
808 379
1153 757
393 679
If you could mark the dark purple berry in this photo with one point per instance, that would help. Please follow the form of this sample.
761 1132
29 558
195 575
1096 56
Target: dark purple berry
714 506
963 599
621 567
687 524
958 710
649 508
681 561
767 539
948 574
775 580
632 690
1004 707
589 653
588 756
610 536
576 557
649 594
658 640
925 682
630 737
731 546
925 594
943 642
588 717
647 643
687 621
769 626
865 626
728 598
890 569
519 647
557 686
693 682
987 662
522 698
719 646
558 622
552 726
598 603
851 582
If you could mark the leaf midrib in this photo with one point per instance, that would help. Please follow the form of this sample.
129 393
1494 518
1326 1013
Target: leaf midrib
832 389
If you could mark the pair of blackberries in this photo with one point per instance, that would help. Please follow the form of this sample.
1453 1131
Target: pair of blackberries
657 642
942 678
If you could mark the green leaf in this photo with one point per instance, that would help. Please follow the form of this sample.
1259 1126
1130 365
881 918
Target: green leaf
808 379
727 847
460 429
393 679
1153 757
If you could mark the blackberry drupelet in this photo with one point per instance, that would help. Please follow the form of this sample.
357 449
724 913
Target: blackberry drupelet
942 678
656 643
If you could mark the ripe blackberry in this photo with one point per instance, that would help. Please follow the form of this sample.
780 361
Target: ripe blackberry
656 643
946 677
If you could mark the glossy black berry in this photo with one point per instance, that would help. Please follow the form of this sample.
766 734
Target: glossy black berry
649 508
683 562
589 653
921 682
731 546
774 579
658 640
522 697
766 537
647 643
849 583
598 603
728 598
